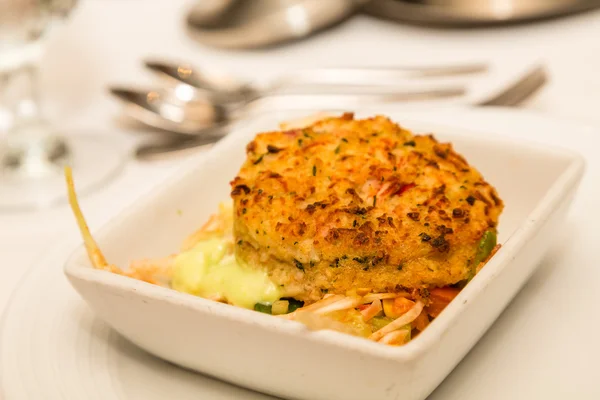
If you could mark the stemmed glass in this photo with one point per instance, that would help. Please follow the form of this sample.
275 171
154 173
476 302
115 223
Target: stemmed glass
33 152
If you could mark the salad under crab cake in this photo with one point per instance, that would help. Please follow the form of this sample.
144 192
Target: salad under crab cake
354 225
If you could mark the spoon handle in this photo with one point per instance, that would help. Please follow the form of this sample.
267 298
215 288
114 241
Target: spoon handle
177 145
174 147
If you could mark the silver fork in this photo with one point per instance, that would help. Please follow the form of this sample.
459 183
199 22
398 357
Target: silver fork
511 96
519 91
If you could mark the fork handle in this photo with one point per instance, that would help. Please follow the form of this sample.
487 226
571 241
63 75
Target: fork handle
369 76
283 101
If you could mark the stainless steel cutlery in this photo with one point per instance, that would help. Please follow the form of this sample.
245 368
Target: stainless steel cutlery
197 107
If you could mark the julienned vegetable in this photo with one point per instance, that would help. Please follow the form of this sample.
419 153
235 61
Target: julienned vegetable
485 247
279 307
380 322
263 308
294 304
439 298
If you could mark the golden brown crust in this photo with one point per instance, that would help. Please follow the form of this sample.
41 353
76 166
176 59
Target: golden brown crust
351 203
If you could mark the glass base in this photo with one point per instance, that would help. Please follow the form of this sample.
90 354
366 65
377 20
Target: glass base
29 182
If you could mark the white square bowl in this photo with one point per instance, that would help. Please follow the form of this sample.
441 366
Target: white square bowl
281 357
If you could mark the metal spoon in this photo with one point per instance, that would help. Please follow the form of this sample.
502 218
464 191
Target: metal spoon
235 90
170 111
513 95
186 111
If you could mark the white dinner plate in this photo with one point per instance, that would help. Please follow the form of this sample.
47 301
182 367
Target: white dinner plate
52 346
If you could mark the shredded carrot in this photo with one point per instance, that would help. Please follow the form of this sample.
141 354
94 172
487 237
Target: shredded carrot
155 271
440 298
444 293
402 305
421 322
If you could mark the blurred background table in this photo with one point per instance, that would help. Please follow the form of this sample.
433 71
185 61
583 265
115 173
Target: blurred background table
105 42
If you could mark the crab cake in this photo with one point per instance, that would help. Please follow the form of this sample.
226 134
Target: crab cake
346 204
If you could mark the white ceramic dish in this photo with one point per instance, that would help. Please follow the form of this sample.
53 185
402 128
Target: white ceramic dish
281 357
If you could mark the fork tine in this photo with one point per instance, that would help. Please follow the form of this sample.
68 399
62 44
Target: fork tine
520 90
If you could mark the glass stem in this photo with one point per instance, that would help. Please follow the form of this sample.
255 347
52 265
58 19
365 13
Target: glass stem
28 109
31 145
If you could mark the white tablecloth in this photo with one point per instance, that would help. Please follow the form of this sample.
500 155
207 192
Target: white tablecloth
105 41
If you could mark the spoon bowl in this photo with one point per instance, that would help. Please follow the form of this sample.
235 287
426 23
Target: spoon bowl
226 86
173 110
